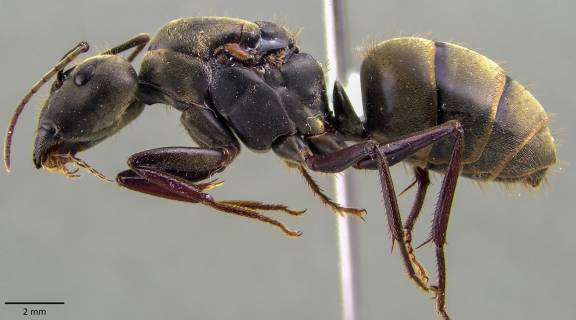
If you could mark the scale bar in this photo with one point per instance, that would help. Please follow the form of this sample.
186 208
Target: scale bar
33 302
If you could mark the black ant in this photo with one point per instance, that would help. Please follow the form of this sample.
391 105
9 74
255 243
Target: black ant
436 105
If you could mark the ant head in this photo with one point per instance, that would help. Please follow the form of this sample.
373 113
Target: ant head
88 103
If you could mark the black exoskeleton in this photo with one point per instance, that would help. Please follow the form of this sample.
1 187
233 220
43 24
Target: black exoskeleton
436 105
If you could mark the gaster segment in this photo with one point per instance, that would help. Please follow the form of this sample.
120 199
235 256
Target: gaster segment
399 88
519 118
412 84
469 90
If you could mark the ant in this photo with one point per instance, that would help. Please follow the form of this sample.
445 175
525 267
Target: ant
435 105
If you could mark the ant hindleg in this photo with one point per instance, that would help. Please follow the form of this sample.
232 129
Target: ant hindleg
422 179
387 154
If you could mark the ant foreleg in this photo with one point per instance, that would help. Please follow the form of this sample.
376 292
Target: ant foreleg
170 173
139 42
257 205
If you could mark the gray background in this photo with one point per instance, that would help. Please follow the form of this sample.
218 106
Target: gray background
114 254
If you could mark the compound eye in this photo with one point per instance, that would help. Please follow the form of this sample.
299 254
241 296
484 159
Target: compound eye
84 75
